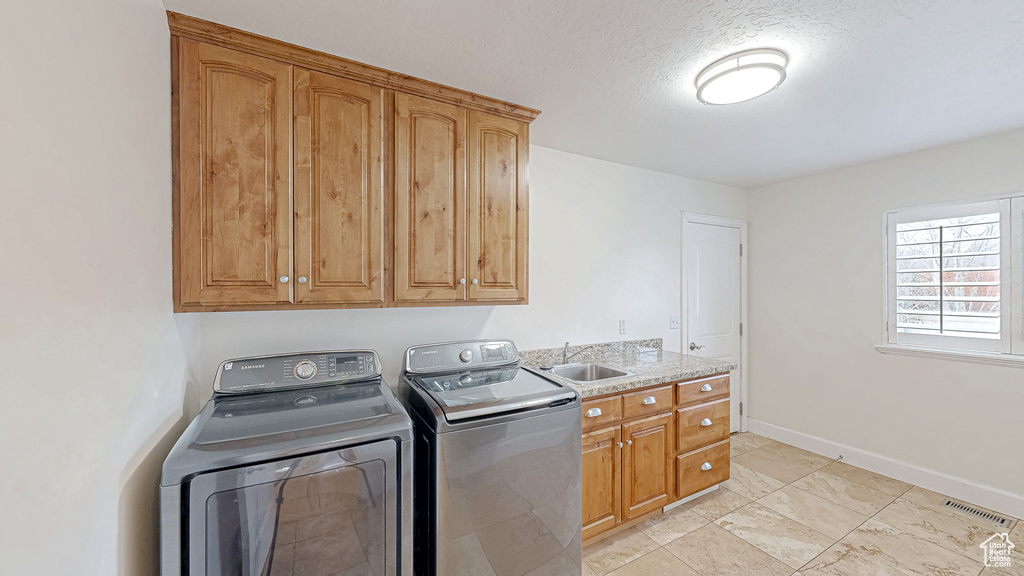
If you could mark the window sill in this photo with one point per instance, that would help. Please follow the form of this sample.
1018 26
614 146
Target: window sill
957 355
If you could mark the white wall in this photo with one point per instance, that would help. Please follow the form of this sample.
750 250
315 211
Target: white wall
816 299
604 246
94 362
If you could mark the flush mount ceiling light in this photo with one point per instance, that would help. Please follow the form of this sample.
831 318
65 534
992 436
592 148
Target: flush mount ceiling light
742 76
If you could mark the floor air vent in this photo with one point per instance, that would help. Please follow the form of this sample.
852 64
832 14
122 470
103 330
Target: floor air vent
968 509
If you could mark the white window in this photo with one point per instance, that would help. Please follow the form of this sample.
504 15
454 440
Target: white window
954 276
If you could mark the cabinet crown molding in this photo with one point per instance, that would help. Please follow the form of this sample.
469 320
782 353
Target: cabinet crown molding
200 30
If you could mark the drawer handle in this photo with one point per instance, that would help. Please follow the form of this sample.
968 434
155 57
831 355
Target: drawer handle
593 413
705 466
705 422
705 388
649 400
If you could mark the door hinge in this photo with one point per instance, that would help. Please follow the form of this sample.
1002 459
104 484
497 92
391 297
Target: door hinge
741 328
741 408
741 250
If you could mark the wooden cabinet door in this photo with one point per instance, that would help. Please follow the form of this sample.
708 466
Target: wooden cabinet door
339 219
602 481
647 461
498 208
234 201
430 201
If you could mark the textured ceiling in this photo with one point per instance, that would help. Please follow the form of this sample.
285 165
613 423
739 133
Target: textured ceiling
614 78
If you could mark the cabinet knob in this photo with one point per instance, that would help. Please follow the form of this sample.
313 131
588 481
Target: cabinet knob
649 400
475 281
302 279
705 422
462 280
620 444
705 466
593 413
630 442
284 279
705 388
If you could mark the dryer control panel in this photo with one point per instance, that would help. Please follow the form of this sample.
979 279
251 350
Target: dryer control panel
290 371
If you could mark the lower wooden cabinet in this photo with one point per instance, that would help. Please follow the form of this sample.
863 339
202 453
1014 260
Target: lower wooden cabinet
602 480
636 462
702 469
647 465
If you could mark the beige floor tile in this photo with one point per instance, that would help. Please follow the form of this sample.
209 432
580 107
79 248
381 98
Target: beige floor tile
950 532
558 566
713 551
745 442
856 497
782 538
795 454
618 550
588 571
714 505
826 517
749 483
775 462
657 563
877 548
935 501
671 525
846 559
868 478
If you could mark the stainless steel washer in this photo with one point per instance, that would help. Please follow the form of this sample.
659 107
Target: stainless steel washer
498 463
299 464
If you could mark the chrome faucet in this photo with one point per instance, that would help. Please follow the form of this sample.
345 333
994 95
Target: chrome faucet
566 355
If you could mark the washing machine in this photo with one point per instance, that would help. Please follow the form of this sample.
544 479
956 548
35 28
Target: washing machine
498 463
300 464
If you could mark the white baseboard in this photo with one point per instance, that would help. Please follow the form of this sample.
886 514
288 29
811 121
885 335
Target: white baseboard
690 497
966 490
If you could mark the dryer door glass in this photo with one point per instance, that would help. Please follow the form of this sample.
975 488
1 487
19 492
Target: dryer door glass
303 522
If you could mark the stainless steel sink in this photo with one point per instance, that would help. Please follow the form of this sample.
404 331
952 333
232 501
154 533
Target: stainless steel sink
586 372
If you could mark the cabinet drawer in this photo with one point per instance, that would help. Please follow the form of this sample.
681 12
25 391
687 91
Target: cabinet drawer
701 425
600 411
703 390
645 402
691 477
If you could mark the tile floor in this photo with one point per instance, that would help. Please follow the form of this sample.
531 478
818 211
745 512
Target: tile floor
789 512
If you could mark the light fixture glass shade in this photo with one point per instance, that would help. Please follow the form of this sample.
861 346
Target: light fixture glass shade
742 76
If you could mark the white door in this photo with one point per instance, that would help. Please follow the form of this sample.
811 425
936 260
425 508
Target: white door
712 295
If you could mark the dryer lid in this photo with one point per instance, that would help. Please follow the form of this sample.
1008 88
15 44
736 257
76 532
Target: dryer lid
253 416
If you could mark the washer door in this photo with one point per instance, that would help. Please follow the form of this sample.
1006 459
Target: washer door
316 515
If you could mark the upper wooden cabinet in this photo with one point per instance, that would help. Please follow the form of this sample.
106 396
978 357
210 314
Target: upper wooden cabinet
303 180
498 208
459 240
430 201
234 199
339 215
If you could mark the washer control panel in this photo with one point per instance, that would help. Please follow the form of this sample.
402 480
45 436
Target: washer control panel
289 371
455 356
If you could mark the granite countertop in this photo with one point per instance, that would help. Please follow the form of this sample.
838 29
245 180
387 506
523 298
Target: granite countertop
648 364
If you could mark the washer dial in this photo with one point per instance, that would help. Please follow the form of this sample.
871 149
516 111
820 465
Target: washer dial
466 355
305 370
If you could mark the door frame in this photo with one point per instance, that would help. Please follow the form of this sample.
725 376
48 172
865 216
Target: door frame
688 219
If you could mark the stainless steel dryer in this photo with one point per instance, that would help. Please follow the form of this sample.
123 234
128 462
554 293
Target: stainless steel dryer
498 460
300 464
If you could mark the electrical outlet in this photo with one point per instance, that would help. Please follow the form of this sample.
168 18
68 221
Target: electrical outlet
622 326
673 322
